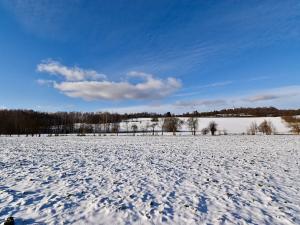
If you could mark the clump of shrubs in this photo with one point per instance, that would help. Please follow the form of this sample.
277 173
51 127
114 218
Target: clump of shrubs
212 128
172 124
265 127
253 129
293 123
205 131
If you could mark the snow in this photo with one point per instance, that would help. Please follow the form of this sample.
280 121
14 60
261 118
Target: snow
234 179
237 125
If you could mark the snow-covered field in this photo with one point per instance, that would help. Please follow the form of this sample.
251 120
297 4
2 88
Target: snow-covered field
232 125
150 180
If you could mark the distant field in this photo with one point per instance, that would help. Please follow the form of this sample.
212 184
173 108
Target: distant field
232 125
150 180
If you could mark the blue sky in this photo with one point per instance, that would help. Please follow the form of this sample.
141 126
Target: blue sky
149 55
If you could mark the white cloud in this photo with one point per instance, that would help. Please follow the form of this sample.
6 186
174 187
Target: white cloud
107 90
84 84
69 73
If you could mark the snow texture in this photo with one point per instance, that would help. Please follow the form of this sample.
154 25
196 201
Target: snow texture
150 180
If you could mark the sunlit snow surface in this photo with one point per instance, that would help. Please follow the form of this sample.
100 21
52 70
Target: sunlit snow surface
150 180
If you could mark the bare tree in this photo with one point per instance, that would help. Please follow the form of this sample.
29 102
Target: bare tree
127 128
161 123
105 122
82 130
107 127
153 125
266 127
172 124
134 129
144 128
212 126
115 128
253 128
192 123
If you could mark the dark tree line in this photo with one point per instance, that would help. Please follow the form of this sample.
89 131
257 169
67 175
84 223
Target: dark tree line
30 122
244 112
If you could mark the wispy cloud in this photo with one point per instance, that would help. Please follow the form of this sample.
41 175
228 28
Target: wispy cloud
216 84
49 83
53 108
69 73
273 94
241 26
80 83
197 103
195 90
259 78
157 108
266 97
45 18
251 26
286 96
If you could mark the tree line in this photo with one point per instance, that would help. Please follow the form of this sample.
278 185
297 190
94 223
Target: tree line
247 112
29 122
